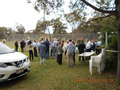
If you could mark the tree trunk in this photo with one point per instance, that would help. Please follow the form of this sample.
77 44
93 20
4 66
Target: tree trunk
118 28
118 67
44 22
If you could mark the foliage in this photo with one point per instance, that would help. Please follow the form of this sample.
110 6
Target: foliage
47 5
79 40
40 26
100 4
111 58
79 11
77 18
58 26
108 25
4 32
97 24
20 29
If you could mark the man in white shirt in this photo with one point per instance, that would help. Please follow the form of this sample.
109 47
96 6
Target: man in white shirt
88 46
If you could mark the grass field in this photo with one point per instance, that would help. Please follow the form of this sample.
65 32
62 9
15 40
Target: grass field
60 77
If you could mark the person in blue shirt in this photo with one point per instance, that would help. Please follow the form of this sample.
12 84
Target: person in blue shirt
98 44
38 44
35 48
51 43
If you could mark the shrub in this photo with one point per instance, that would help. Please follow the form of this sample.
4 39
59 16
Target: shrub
79 41
111 57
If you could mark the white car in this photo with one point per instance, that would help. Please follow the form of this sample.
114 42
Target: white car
12 64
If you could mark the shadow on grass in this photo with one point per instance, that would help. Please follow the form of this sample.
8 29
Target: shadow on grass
13 82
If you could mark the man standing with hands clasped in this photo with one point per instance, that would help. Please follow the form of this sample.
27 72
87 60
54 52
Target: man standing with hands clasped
81 48
70 49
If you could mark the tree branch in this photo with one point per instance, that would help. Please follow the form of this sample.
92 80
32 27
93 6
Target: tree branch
97 9
98 18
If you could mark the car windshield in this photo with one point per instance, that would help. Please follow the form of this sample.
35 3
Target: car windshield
5 49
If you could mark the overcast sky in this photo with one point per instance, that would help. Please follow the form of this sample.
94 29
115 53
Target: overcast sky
19 11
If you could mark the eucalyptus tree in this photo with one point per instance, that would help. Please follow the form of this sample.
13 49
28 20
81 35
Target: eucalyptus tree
20 29
76 18
40 26
47 6
58 26
5 32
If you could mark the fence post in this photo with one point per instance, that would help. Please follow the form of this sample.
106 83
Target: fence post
106 35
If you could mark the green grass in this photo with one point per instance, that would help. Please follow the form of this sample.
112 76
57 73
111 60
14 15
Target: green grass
60 77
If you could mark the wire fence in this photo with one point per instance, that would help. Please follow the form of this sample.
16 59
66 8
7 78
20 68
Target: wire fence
75 36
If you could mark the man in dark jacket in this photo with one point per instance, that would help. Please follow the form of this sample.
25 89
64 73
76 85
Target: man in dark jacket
22 44
16 45
35 48
81 48
47 46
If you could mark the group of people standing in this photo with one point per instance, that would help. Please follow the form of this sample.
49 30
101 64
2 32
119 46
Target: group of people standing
87 46
57 48
23 45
